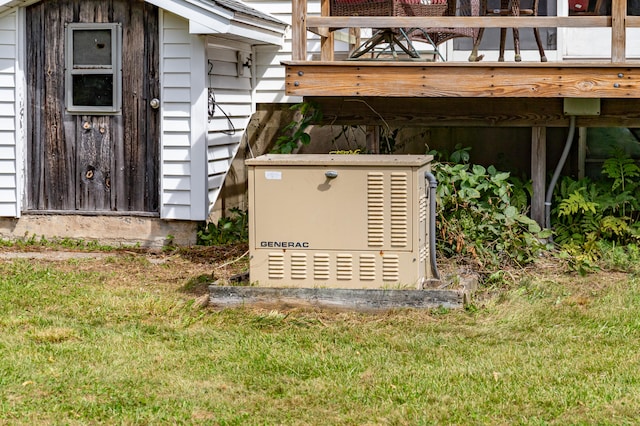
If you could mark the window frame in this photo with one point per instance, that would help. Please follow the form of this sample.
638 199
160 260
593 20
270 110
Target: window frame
115 69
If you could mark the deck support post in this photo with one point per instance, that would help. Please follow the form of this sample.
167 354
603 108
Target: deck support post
299 30
354 38
326 42
373 139
618 30
538 172
582 152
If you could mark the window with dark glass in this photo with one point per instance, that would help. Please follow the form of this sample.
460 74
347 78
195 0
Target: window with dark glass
93 71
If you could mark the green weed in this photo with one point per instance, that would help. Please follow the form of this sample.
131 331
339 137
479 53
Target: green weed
227 230
34 241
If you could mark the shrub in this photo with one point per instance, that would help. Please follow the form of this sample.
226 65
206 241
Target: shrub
482 216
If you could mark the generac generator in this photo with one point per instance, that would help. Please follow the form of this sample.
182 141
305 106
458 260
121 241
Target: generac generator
340 221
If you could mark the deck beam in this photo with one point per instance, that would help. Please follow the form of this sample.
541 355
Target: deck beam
455 80
471 112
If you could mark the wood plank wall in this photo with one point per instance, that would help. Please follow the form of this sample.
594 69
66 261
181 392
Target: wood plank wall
92 162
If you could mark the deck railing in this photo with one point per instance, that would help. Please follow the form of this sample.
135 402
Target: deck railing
322 25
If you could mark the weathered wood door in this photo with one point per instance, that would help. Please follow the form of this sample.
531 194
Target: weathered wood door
97 162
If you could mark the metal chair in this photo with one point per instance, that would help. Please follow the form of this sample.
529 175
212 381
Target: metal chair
389 39
438 36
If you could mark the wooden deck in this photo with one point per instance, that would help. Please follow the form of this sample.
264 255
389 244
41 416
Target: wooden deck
616 78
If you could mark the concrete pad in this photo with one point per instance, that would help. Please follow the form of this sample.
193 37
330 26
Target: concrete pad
335 298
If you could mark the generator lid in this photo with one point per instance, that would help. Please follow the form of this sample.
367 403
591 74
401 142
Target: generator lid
340 160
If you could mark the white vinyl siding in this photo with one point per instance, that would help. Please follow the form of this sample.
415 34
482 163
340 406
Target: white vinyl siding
183 109
270 86
9 120
230 87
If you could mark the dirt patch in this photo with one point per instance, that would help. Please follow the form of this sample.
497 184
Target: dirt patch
213 255
187 270
51 255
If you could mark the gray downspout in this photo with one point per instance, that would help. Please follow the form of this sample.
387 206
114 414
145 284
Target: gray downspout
556 173
431 195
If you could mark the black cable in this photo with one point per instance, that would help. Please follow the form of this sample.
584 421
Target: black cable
212 105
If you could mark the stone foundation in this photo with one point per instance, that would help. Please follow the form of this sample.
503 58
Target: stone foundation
107 230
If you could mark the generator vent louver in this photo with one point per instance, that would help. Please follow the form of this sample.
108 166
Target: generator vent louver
391 267
276 266
399 209
321 266
422 208
367 267
344 266
375 209
298 266
423 254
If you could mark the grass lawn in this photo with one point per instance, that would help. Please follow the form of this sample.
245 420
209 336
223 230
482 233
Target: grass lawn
121 340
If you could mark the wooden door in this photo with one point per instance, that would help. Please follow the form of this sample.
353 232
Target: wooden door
86 163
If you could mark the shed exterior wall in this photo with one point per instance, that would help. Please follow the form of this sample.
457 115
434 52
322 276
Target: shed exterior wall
10 121
230 106
183 109
195 152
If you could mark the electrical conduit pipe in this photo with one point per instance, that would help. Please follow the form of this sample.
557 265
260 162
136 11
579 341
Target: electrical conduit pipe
431 195
556 173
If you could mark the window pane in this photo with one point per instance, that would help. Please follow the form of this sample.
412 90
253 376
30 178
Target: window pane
92 47
93 90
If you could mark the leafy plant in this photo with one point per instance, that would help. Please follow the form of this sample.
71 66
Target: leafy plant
227 230
590 212
621 169
477 219
619 258
295 133
576 202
